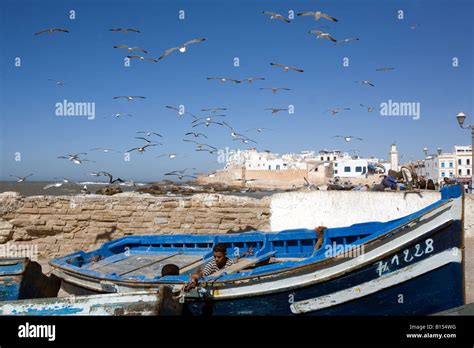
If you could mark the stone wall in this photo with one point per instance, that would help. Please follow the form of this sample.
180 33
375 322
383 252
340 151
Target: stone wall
58 225
61 224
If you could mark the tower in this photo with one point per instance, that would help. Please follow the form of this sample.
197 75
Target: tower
393 155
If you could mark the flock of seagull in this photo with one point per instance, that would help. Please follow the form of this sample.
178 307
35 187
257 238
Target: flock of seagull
212 116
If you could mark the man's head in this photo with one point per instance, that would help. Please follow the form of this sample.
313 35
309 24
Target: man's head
219 254
169 270
446 180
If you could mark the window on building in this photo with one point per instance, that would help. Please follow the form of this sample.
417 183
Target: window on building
335 172
460 172
269 167
329 158
442 165
335 164
450 164
322 158
468 172
451 174
347 169
358 169
468 162
278 167
442 174
459 161
334 157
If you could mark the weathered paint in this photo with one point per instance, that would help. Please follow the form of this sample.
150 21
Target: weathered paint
370 287
138 303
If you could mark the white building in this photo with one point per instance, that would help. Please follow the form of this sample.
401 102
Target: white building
351 168
455 165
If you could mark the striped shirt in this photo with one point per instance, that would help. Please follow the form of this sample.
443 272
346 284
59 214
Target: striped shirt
211 267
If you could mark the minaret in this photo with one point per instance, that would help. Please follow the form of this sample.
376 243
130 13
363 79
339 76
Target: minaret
393 155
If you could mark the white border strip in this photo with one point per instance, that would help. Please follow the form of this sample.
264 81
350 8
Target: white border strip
373 286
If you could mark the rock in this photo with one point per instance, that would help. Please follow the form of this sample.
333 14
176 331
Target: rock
109 190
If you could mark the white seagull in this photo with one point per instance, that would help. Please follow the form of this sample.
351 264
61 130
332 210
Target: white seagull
275 110
276 89
169 155
214 110
365 82
278 16
320 35
197 135
182 48
143 58
52 31
286 67
21 178
347 137
130 49
75 158
317 15
347 40
130 97
141 149
59 83
150 133
337 110
223 79
369 108
123 30
251 79
180 112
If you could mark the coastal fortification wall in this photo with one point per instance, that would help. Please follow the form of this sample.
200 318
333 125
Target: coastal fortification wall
62 224
58 225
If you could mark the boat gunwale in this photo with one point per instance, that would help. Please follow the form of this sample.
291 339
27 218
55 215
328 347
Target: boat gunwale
274 273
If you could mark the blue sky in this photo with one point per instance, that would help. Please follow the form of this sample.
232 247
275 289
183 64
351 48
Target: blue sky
93 71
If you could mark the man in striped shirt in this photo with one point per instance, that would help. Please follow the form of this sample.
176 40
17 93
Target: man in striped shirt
219 262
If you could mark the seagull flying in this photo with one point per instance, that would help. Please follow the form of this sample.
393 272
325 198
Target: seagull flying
148 141
207 123
347 137
197 135
59 83
75 158
103 149
369 108
123 30
200 145
52 31
384 69
347 40
110 176
117 115
180 112
130 97
251 79
130 49
317 15
141 149
259 130
214 110
143 58
286 68
149 133
275 110
276 89
182 48
337 110
223 79
320 35
278 16
365 82
21 178
169 155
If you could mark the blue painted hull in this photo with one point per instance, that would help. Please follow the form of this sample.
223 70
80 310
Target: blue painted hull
22 279
429 293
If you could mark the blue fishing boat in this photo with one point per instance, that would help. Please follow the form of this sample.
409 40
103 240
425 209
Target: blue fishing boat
21 278
128 303
413 265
